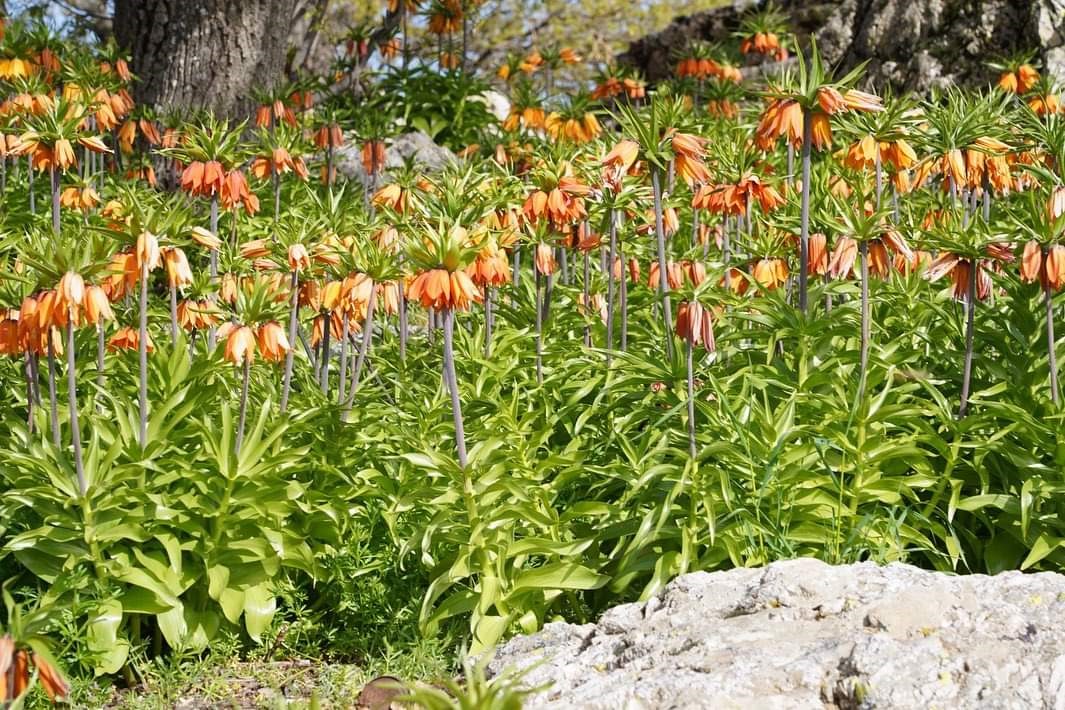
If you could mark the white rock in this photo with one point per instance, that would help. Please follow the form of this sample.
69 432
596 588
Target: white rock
803 634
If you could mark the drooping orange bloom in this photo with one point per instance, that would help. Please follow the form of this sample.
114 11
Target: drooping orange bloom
235 192
782 117
298 258
52 681
127 338
1056 203
203 178
272 341
279 162
197 315
695 324
373 156
1046 265
769 273
178 272
544 259
1019 81
959 270
490 268
674 275
561 206
734 199
240 344
97 306
9 340
70 293
817 255
147 252
765 43
1045 104
443 290
82 199
618 162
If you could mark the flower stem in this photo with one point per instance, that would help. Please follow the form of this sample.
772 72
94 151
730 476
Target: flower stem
327 327
610 284
344 330
970 314
804 209
1052 355
53 175
211 332
364 347
691 400
539 333
293 320
452 384
72 396
243 405
863 249
663 284
54 411
142 353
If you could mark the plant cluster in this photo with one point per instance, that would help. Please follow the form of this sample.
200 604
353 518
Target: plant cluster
614 343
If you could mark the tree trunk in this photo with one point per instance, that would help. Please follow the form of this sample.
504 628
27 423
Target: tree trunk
191 54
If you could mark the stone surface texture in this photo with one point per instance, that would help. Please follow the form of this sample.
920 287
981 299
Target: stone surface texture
415 146
804 634
909 44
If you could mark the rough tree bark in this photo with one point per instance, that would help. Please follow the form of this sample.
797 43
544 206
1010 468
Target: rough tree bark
209 54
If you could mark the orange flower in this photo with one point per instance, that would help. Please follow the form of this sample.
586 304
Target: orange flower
373 156
821 130
147 251
273 343
127 338
1056 203
831 101
443 290
97 307
782 117
82 199
240 345
54 684
490 268
298 259
178 273
64 154
1047 266
544 259
392 196
71 290
861 101
817 256
234 192
203 178
695 324
769 273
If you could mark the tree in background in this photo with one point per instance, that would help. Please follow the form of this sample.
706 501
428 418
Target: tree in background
209 53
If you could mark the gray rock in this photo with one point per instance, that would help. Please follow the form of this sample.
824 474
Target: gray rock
804 634
416 146
909 44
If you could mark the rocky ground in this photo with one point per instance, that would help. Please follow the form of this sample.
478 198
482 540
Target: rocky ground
804 634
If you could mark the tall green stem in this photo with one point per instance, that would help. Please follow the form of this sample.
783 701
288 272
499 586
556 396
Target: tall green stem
293 320
452 384
243 405
663 283
72 397
142 356
970 315
804 208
